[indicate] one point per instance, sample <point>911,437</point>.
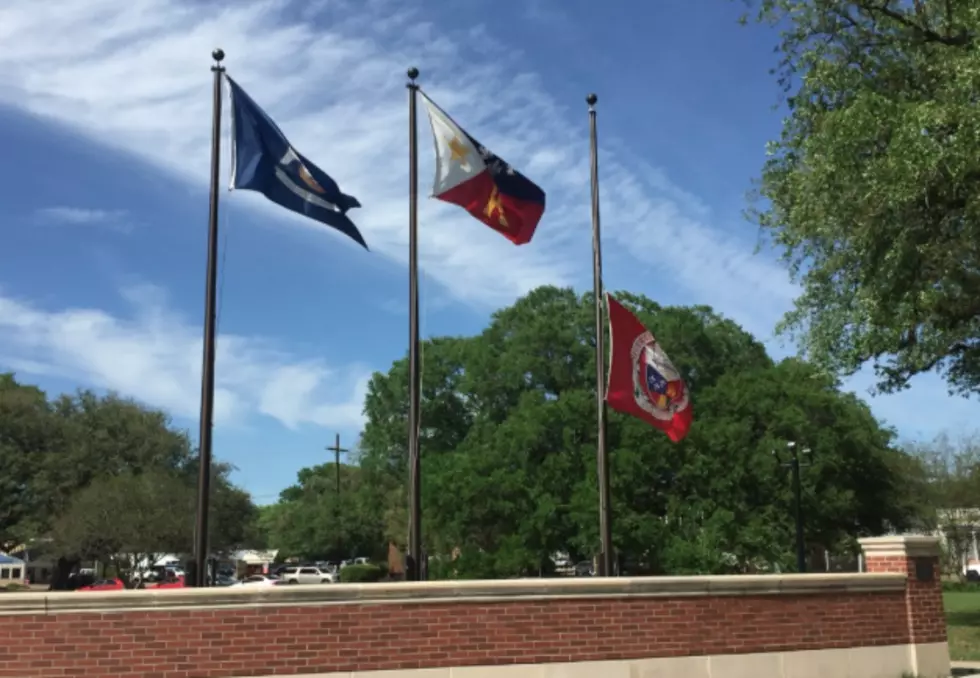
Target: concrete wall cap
<point>441,592</point>
<point>901,545</point>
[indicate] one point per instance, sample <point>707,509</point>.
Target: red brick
<point>291,640</point>
<point>923,600</point>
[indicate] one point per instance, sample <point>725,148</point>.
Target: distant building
<point>12,571</point>
<point>39,564</point>
<point>958,532</point>
<point>249,562</point>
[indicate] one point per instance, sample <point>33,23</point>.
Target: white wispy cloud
<point>135,76</point>
<point>154,355</point>
<point>115,219</point>
<point>79,215</point>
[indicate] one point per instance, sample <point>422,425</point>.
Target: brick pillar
<point>916,557</point>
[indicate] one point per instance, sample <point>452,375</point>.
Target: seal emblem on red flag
<point>657,385</point>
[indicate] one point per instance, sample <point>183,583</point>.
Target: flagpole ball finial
<point>413,73</point>
<point>218,55</point>
<point>591,99</point>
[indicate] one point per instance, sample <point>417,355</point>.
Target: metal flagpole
<point>207,371</point>
<point>413,565</point>
<point>605,568</point>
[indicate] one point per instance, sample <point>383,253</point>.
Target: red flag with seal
<point>643,382</point>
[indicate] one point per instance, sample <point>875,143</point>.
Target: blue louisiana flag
<point>263,160</point>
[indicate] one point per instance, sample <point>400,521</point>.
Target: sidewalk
<point>965,669</point>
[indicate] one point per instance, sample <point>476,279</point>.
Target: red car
<point>105,585</point>
<point>173,583</point>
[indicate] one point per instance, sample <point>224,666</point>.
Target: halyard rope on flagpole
<point>423,314</point>
<point>225,222</point>
<point>221,273</point>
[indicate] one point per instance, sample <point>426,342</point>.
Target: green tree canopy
<point>508,449</point>
<point>69,467</point>
<point>873,189</point>
<point>734,472</point>
<point>312,521</point>
<point>136,516</point>
<point>27,441</point>
<point>146,514</point>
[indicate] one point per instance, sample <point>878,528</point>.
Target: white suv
<point>306,575</point>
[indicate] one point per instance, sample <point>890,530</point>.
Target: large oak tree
<point>508,450</point>
<point>873,189</point>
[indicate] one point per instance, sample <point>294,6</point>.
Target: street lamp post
<point>795,464</point>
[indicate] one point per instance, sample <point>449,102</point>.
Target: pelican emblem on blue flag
<point>264,161</point>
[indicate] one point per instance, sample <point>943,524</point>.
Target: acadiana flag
<point>643,382</point>
<point>469,175</point>
<point>263,160</point>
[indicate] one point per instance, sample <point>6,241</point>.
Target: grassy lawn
<point>963,625</point>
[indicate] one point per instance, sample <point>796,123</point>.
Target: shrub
<point>354,574</point>
<point>961,586</point>
<point>14,588</point>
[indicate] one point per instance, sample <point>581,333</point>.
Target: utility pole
<point>337,449</point>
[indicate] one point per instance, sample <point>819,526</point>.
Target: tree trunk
<point>62,570</point>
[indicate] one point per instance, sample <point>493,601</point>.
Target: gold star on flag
<point>458,149</point>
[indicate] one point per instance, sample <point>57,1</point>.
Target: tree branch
<point>961,39</point>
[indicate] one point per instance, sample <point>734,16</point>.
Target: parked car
<point>584,568</point>
<point>104,585</point>
<point>159,573</point>
<point>170,583</point>
<point>77,581</point>
<point>259,580</point>
<point>224,580</point>
<point>308,575</point>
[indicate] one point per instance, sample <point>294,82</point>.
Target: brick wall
<point>887,564</point>
<point>307,630</point>
<point>296,639</point>
<point>923,599</point>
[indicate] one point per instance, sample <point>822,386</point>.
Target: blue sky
<point>105,123</point>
